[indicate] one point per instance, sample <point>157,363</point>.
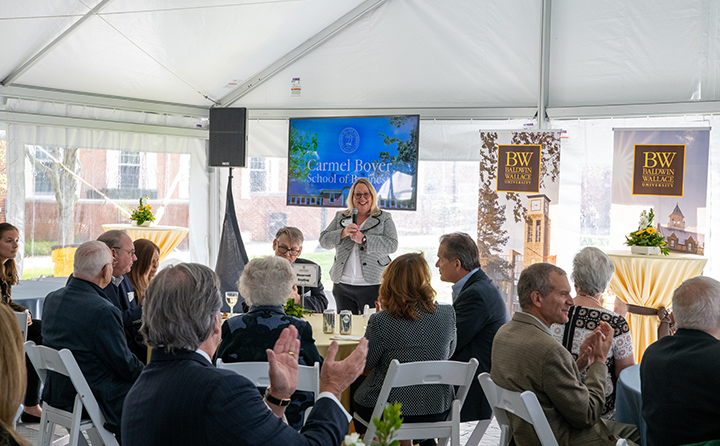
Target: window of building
<point>672,243</point>
<point>42,182</point>
<point>129,170</point>
<point>537,231</point>
<point>258,175</point>
<point>529,232</point>
<point>690,246</point>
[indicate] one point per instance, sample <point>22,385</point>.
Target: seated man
<point>525,356</point>
<point>181,399</point>
<point>679,374</point>
<point>80,318</point>
<point>288,245</point>
<point>117,291</point>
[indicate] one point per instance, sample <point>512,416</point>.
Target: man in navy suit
<point>181,399</point>
<point>119,289</point>
<point>479,311</point>
<point>679,374</point>
<point>80,318</point>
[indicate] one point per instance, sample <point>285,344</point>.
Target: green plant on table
<point>646,235</point>
<point>143,212</point>
<point>292,309</point>
<point>386,428</point>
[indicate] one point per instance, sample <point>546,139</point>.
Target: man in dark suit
<point>181,399</point>
<point>288,244</point>
<point>679,374</point>
<point>80,318</point>
<point>479,312</point>
<point>120,291</point>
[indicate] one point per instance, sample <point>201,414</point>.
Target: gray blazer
<point>381,240</point>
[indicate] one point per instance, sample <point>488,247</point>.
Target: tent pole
<point>544,63</point>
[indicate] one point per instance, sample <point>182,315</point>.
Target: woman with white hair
<point>266,283</point>
<point>592,271</point>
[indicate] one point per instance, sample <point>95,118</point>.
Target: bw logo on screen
<point>349,140</point>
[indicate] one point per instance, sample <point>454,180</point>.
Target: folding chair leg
<point>478,432</point>
<point>94,437</point>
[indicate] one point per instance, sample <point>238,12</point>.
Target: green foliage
<point>38,248</point>
<point>36,273</point>
<point>385,429</point>
<point>302,150</point>
<point>295,310</point>
<point>646,235</point>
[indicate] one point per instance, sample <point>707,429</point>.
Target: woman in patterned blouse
<point>592,271</point>
<point>411,327</point>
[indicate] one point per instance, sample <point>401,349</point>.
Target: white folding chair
<point>452,373</point>
<point>258,374</point>
<point>524,405</point>
<point>46,359</point>
<point>22,319</point>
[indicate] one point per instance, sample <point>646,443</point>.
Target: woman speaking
<point>362,236</point>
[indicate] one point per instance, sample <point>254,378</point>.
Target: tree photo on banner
<point>518,190</point>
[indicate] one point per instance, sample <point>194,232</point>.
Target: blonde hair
<point>144,250</point>
<point>12,371</point>
<point>374,209</point>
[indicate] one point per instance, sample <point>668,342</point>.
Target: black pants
<point>354,298</point>
<point>32,391</point>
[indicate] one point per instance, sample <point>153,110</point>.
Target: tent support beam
<point>252,82</point>
<point>440,113</point>
<point>543,90</point>
<point>17,72</point>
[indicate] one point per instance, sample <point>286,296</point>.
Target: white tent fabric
<point>141,74</point>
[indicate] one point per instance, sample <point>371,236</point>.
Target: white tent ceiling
<point>451,58</point>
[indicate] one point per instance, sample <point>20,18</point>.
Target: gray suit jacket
<point>381,241</point>
<point>526,357</point>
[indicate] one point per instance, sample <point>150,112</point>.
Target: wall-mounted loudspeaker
<point>228,137</point>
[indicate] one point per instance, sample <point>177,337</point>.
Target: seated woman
<point>266,284</point>
<point>145,267</point>
<point>12,376</point>
<point>592,271</point>
<point>410,327</point>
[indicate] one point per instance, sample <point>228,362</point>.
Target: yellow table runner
<point>166,237</point>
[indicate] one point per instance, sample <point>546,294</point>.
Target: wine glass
<point>231,297</point>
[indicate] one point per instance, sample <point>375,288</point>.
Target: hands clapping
<point>353,232</point>
<point>595,348</point>
<point>283,360</point>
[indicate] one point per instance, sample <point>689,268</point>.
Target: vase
<point>645,250</point>
<point>145,224</point>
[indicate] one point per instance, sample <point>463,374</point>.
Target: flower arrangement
<point>385,429</point>
<point>143,212</point>
<point>291,309</point>
<point>646,235</point>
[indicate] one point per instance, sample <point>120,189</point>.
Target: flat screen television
<point>326,155</point>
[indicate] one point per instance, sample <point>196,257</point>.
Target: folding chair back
<point>453,373</point>
<point>524,405</point>
<point>46,359</point>
<point>258,374</point>
<point>22,319</point>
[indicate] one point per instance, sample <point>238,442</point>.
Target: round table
<point>166,237</point>
<point>649,281</point>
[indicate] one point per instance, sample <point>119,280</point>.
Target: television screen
<point>326,155</point>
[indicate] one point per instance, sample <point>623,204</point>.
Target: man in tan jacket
<point>525,356</point>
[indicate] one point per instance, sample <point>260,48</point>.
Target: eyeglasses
<point>366,195</point>
<point>129,251</point>
<point>285,250</point>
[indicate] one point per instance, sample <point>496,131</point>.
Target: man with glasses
<point>119,289</point>
<point>288,245</point>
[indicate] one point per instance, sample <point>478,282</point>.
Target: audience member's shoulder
<point>445,310</point>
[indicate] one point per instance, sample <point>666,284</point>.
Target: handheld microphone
<point>354,216</point>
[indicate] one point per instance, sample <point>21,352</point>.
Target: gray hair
<point>294,234</point>
<point>266,281</point>
<point>90,258</point>
<point>592,270</point>
<point>696,304</point>
<point>180,307</point>
<point>113,238</point>
<point>536,277</point>
<point>460,246</point>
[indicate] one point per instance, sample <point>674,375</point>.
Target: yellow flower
<point>149,207</point>
<point>640,232</point>
<point>650,230</point>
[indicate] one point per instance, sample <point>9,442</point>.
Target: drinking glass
<point>231,297</point>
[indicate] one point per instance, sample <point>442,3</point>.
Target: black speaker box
<point>228,137</point>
